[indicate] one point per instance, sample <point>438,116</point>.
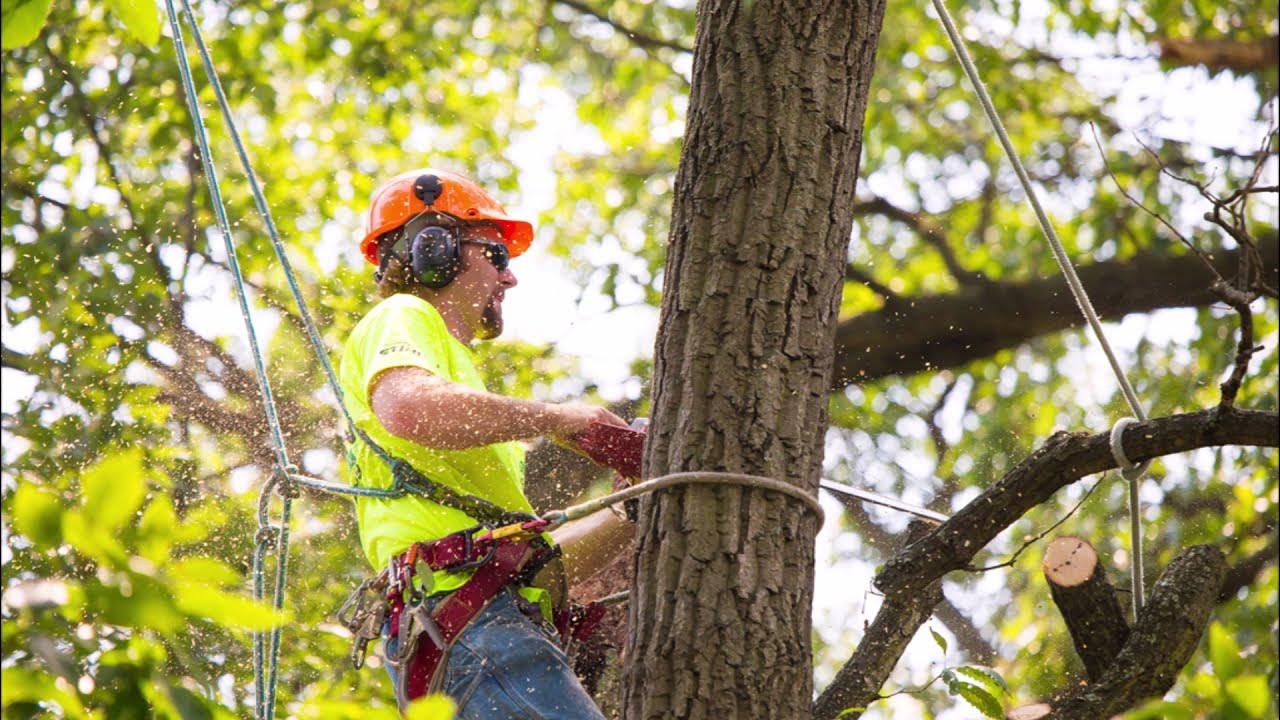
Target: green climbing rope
<point>268,534</point>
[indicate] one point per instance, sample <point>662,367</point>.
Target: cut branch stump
<point>1087,602</point>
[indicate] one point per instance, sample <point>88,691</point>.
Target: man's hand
<point>572,419</point>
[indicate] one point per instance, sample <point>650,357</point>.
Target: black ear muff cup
<point>435,256</point>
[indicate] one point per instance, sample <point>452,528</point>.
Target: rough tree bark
<point>719,623</point>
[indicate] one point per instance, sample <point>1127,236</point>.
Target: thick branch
<point>857,685</point>
<point>1243,574</point>
<point>969,640</point>
<point>1064,459</point>
<point>1167,632</point>
<point>1222,53</point>
<point>975,321</point>
<point>1088,603</point>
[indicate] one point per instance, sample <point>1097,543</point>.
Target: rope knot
<point>285,484</point>
<point>267,536</point>
<point>1128,470</point>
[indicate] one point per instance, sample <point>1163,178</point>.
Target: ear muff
<point>435,257</point>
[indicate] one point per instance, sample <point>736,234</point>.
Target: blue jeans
<point>506,665</point>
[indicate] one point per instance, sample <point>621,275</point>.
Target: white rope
<point>1073,281</point>
<point>581,510</point>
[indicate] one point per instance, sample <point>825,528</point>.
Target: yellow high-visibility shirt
<point>400,331</point>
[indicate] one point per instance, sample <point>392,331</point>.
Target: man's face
<point>479,287</point>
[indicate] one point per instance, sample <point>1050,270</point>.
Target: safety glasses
<point>495,252</point>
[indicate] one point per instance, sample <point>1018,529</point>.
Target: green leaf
<point>37,515</point>
<point>156,530</point>
<point>987,678</point>
<point>140,17</point>
<point>224,608</point>
<point>431,707</point>
<point>939,640</point>
<point>137,601</point>
<point>978,697</point>
<point>22,20</point>
<point>25,686</point>
<point>205,570</point>
<point>113,489</point>
<point>92,540</point>
<point>1224,652</point>
<point>1251,694</point>
<point>1161,710</point>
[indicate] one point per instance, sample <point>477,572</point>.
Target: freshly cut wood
<point>1034,711</point>
<point>1087,602</point>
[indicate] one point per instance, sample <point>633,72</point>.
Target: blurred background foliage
<point>133,435</point>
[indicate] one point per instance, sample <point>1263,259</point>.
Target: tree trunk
<point>719,623</point>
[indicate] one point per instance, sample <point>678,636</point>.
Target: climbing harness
<point>1130,473</point>
<point>503,556</point>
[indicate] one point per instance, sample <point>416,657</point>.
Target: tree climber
<point>441,245</point>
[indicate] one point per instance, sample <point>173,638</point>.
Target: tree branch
<point>942,331</point>
<point>1080,588</point>
<point>858,683</point>
<point>969,639</point>
<point>642,40</point>
<point>928,230</point>
<point>1243,573</point>
<point>854,274</point>
<point>1166,633</point>
<point>1064,459</point>
<point>1239,56</point>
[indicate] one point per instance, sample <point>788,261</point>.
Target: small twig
<point>928,231</point>
<point>1239,300</point>
<point>912,691</point>
<point>1013,558</point>
<point>940,444</point>
<point>875,286</point>
<point>1159,218</point>
<point>641,40</point>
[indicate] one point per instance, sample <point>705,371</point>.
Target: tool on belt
<point>508,555</point>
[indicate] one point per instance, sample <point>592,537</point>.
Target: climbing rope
<point>268,534</point>
<point>285,479</point>
<point>560,517</point>
<point>1131,473</point>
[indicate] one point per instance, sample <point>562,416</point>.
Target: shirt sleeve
<point>405,332</point>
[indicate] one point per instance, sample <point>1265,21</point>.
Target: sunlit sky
<point>545,308</point>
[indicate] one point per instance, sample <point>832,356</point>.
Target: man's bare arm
<point>431,411</point>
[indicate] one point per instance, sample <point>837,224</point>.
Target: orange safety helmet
<point>397,201</point>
